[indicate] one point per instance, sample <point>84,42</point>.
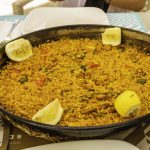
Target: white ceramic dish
<point>88,145</point>
<point>46,17</point>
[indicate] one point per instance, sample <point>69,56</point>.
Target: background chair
<point>21,7</point>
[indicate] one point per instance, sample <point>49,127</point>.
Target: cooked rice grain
<point>83,74</point>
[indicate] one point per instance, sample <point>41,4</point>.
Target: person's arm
<point>134,5</point>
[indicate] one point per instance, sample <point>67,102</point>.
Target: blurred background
<point>19,7</point>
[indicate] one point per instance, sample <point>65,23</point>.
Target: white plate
<point>87,145</point>
<point>46,17</point>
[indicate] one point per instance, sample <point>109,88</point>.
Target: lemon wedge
<point>50,114</point>
<point>128,103</point>
<point>112,36</point>
<point>18,50</point>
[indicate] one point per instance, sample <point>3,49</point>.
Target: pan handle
<point>6,135</point>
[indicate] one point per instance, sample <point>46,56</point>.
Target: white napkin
<point>5,27</point>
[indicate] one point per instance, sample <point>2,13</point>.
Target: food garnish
<point>128,103</point>
<point>19,50</point>
<point>50,114</point>
<point>112,36</point>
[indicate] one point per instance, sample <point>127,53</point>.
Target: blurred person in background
<point>133,5</point>
<point>126,5</point>
<point>106,5</point>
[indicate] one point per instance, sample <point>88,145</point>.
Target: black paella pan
<point>74,31</point>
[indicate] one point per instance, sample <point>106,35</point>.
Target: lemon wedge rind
<point>18,50</point>
<point>128,103</point>
<point>112,36</point>
<point>50,114</point>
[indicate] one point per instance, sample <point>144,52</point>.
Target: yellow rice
<point>83,74</point>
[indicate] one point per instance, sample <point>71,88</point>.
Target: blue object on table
<point>12,17</point>
<point>128,20</point>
